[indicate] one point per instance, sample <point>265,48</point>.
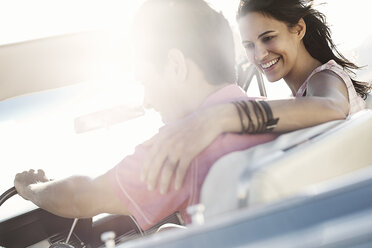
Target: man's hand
<point>173,149</point>
<point>23,180</point>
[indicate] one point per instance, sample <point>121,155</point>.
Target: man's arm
<point>73,197</point>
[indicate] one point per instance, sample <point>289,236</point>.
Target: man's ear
<point>300,28</point>
<point>176,66</point>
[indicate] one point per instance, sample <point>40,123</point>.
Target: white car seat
<point>284,167</point>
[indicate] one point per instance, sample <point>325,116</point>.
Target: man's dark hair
<point>191,26</point>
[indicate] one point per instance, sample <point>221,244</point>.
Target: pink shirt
<point>355,101</point>
<point>149,207</point>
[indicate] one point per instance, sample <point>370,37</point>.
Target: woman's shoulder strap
<point>330,65</point>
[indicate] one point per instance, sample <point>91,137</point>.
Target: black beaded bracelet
<point>236,104</point>
<point>250,127</point>
<point>263,113</point>
<point>271,121</point>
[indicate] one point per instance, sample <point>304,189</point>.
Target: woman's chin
<point>272,78</point>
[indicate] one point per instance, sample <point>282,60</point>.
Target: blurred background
<point>65,69</point>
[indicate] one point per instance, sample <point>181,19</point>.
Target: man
<point>185,59</point>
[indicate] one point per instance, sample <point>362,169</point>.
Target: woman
<point>285,39</point>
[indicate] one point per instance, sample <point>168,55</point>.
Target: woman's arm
<point>173,148</point>
<point>326,100</point>
<point>73,197</point>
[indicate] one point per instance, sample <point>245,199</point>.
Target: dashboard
<point>41,229</point>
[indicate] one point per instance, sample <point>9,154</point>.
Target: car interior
<point>308,188</point>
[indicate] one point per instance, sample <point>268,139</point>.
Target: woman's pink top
<point>355,101</point>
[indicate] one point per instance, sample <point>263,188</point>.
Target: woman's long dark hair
<point>317,39</point>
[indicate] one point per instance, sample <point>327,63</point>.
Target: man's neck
<point>196,90</point>
<point>198,93</point>
<point>191,92</point>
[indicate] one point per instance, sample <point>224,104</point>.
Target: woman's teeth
<point>269,64</point>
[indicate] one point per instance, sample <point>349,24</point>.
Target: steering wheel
<point>7,194</point>
<point>11,192</point>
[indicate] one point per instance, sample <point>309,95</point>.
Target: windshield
<point>41,130</point>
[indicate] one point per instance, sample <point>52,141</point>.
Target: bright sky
<point>30,19</point>
<point>24,19</point>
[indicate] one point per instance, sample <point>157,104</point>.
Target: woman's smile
<point>269,65</point>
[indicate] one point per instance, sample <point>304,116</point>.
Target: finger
<point>147,163</point>
<point>19,174</point>
<point>153,153</point>
<point>154,158</point>
<point>161,159</point>
<point>166,176</point>
<point>16,178</point>
<point>153,165</point>
<point>153,171</point>
<point>181,172</point>
<point>42,175</point>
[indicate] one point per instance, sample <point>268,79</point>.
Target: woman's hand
<point>176,145</point>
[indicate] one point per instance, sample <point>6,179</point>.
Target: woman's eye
<point>267,38</point>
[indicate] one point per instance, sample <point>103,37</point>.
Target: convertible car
<point>60,106</point>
